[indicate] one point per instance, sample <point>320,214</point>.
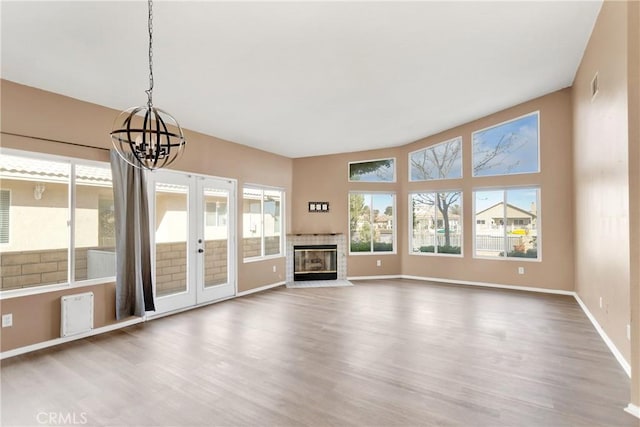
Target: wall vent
<point>595,86</point>
<point>77,314</point>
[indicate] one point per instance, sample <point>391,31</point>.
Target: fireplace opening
<point>315,262</point>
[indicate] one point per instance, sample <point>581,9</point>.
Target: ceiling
<point>302,78</point>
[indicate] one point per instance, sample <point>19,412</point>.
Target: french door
<point>193,221</point>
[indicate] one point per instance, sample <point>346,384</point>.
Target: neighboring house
<point>492,218</point>
<point>424,218</point>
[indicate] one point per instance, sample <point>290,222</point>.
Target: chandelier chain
<point>150,26</point>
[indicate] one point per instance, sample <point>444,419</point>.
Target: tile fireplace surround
<point>337,239</point>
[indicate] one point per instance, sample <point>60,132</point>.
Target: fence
<point>482,242</point>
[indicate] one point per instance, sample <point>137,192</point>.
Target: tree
<point>445,204</point>
<point>357,211</point>
<point>437,163</point>
<point>388,211</point>
<point>498,154</point>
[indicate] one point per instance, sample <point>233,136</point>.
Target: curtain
<point>134,287</point>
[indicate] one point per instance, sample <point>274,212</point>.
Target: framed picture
<point>318,206</point>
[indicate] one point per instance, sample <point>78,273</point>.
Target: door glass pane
<point>172,225</point>
<point>216,235</point>
<point>34,232</point>
<point>95,223</point>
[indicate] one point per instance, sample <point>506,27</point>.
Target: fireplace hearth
<point>315,262</point>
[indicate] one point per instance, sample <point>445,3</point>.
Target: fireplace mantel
<point>338,239</point>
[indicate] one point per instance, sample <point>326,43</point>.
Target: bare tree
<point>498,154</point>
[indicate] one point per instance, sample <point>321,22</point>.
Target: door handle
<point>200,250</point>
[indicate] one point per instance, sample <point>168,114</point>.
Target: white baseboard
<point>391,276</point>
<point>625,365</point>
<point>51,343</point>
<point>490,285</point>
<point>633,410</point>
<point>119,325</point>
<point>260,289</point>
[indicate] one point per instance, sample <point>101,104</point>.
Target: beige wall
<point>42,114</point>
<point>324,178</point>
<point>601,176</point>
<point>633,93</point>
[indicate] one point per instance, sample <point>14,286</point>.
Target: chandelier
<point>147,137</point>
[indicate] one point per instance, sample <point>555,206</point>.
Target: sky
<point>520,157</point>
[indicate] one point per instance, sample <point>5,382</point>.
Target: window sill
<point>36,290</point>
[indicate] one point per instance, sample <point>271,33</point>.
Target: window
<point>507,223</point>
<point>95,238</point>
<point>442,161</point>
<point>5,201</point>
<point>508,148</point>
<point>382,170</point>
<point>436,223</point>
<point>43,195</point>
<point>371,222</point>
<point>262,222</point>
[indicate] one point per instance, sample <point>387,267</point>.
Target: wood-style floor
<point>380,353</point>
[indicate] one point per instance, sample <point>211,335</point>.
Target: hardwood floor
<point>380,353</point>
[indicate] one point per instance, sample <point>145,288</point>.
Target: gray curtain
<point>134,287</point>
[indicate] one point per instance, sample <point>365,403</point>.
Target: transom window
<point>508,148</point>
<point>441,161</point>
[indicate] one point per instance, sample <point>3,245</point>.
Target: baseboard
<point>260,289</point>
<point>119,325</point>
<point>625,365</point>
<point>490,285</point>
<point>57,341</point>
<point>391,276</point>
<point>633,410</point>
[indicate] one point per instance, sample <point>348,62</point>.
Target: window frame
<point>262,256</point>
<point>410,223</point>
<point>504,190</point>
<point>431,147</point>
<point>538,170</point>
<point>393,162</point>
<point>71,283</point>
<point>394,223</point>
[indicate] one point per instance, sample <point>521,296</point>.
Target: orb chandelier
<point>147,137</point>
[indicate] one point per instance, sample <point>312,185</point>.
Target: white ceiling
<point>302,78</point>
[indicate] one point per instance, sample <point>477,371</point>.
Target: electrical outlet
<point>379,263</point>
<point>274,268</point>
<point>520,270</point>
<point>7,320</point>
<point>600,302</point>
<point>629,332</point>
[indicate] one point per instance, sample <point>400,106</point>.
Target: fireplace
<point>315,262</point>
